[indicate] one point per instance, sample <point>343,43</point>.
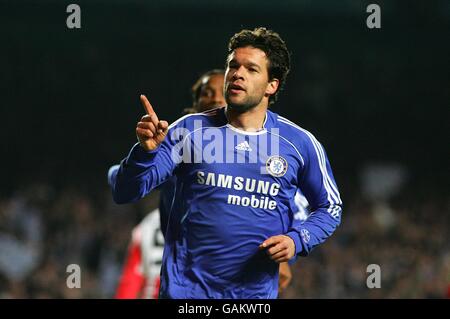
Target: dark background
<point>69,98</point>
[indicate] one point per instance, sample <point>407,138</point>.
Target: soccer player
<point>140,275</point>
<point>238,169</point>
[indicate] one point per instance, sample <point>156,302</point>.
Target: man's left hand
<point>280,248</point>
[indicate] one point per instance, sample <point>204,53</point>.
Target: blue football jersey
<point>233,190</point>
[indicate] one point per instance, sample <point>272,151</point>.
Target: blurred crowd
<point>43,230</point>
<point>407,238</point>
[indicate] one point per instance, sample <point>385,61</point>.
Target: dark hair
<point>197,87</point>
<point>273,46</point>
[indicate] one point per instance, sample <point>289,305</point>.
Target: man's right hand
<point>150,131</point>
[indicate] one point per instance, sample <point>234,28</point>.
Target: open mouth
<point>235,88</point>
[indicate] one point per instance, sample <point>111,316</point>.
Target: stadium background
<point>377,99</point>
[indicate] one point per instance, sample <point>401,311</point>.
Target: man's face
<point>247,82</point>
<point>211,93</point>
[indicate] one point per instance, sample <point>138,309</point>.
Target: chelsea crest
<point>276,165</point>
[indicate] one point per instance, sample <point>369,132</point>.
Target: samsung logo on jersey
<point>238,183</point>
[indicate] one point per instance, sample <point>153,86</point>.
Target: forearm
<point>320,225</point>
<point>138,174</point>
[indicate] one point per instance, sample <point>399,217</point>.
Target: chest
<point>258,163</point>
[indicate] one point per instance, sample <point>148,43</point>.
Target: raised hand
<point>150,131</point>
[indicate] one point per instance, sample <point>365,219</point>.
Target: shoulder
<point>190,122</point>
<point>303,139</point>
<point>291,129</point>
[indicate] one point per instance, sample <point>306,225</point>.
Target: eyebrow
<point>247,64</point>
<point>253,65</point>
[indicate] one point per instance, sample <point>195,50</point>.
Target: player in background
<point>140,278</point>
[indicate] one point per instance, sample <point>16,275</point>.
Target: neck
<point>251,120</point>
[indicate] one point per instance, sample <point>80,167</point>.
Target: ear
<point>272,86</point>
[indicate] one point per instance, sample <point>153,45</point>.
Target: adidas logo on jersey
<point>244,146</point>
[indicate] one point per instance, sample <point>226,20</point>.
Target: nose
<point>218,98</point>
<point>238,74</point>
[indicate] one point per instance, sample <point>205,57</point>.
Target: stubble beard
<point>248,104</point>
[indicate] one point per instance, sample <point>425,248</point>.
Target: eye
<point>206,93</point>
<point>253,70</point>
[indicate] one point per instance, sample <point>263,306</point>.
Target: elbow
<point>118,198</point>
<point>118,195</point>
<point>128,190</point>
<point>125,196</point>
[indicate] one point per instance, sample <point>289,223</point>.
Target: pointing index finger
<point>148,107</point>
